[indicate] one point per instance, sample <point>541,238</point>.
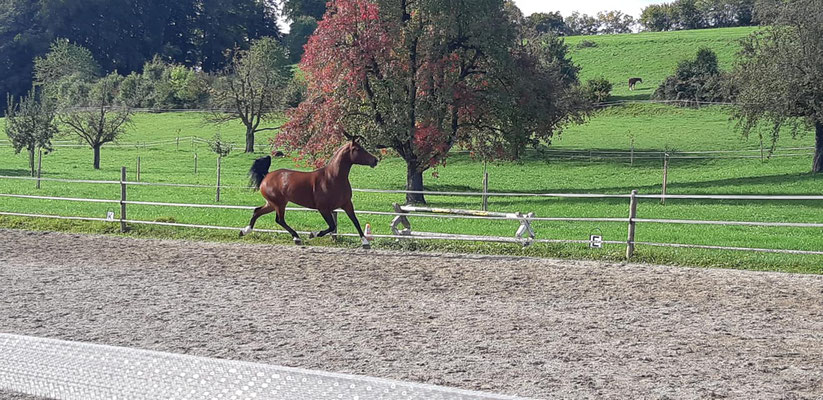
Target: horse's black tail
<point>259,170</point>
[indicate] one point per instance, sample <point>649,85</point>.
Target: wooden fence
<point>631,219</point>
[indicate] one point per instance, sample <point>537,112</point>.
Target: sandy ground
<point>537,328</point>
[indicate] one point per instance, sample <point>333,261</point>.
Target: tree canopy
<point>698,14</point>
<point>780,74</point>
<point>421,77</point>
<point>30,124</point>
<point>252,88</point>
<point>123,34</point>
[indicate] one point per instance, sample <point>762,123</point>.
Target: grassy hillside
<point>654,128</point>
<point>647,127</point>
<point>651,55</point>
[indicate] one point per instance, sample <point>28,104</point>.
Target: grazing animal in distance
<point>633,82</point>
<point>325,189</point>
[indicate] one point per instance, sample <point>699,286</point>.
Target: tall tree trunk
<point>817,164</point>
<point>31,161</point>
<point>414,182</point>
<point>96,156</point>
<point>249,140</point>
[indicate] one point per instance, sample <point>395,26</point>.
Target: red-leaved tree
<point>420,77</point>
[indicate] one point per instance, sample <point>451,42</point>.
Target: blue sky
<point>591,7</point>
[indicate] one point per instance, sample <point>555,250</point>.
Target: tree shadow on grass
<point>15,172</point>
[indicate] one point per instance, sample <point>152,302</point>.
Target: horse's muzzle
<point>373,163</point>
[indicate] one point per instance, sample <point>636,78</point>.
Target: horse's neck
<point>337,168</point>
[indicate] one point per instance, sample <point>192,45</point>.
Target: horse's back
<point>286,185</point>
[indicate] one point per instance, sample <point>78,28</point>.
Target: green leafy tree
<point>164,86</point>
<point>301,29</point>
<point>780,74</point>
<point>30,124</point>
<point>20,41</point>
<point>612,22</point>
<point>65,60</point>
<point>658,17</point>
<point>688,15</point>
<point>295,9</point>
<point>582,24</point>
<point>548,23</point>
<point>91,111</point>
<point>123,34</point>
<point>253,87</point>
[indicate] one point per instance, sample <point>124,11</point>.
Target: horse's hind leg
<point>329,217</point>
<point>281,219</point>
<point>258,212</point>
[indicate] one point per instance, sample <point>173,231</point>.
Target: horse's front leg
<point>349,209</point>
<point>329,217</point>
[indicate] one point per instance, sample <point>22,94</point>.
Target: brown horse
<point>324,190</point>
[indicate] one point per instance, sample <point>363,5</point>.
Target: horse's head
<point>358,155</point>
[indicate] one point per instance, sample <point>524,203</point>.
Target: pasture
<point>650,55</point>
<point>650,127</point>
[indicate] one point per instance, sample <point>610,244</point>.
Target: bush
<point>165,86</point>
<point>698,80</point>
<point>597,90</point>
<point>586,44</point>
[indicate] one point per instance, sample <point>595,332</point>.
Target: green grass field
<point>650,55</point>
<point>653,128</point>
<point>646,127</point>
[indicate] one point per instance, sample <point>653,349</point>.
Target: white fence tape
<point>83,371</point>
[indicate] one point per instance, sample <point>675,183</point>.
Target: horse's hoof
<point>242,234</point>
<point>312,235</point>
<point>298,242</point>
<point>366,247</point>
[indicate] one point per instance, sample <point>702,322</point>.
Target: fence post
<point>632,216</point>
<point>218,178</point>
<point>39,166</point>
<point>138,169</point>
<point>632,152</point>
<point>665,177</point>
<point>123,227</point>
<point>485,191</point>
<point>195,163</point>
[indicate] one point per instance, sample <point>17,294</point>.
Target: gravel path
<point>538,328</point>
